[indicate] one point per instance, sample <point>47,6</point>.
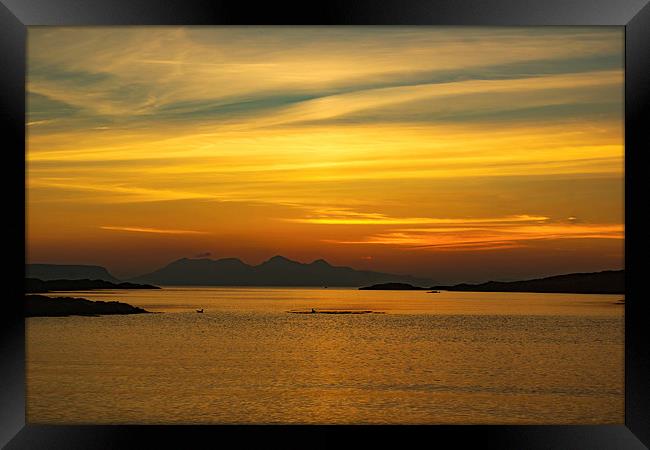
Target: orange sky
<point>459,154</point>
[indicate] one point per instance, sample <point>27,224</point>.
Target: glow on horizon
<point>427,150</point>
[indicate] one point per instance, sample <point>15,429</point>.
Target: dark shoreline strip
<point>36,286</point>
<point>42,306</point>
<point>336,312</point>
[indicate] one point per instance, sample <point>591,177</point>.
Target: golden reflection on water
<point>431,358</point>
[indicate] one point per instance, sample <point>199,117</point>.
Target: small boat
<point>199,310</point>
<point>433,292</point>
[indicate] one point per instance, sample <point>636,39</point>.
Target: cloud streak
<point>151,230</point>
<point>506,235</point>
<point>349,217</point>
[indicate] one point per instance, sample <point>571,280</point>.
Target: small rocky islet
<point>334,311</point>
<point>44,306</point>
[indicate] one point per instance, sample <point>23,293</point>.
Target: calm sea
<point>451,357</point>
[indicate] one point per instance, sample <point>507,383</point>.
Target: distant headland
<point>48,272</point>
<point>606,282</point>
<point>34,285</point>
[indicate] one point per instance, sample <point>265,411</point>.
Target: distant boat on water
<point>199,310</point>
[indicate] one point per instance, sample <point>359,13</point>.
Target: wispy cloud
<point>151,230</point>
<point>144,75</point>
<point>350,217</point>
<point>505,235</point>
<point>112,193</point>
<point>39,122</point>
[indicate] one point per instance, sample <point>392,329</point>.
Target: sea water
<point>430,358</point>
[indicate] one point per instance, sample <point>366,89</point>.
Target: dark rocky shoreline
<point>43,306</point>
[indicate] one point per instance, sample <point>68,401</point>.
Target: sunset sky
<point>458,154</point>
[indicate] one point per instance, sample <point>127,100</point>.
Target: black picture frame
<point>16,15</point>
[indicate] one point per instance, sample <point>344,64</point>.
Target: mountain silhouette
<point>47,272</point>
<point>277,271</point>
<point>605,282</point>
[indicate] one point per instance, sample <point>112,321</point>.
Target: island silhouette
<point>276,271</point>
<point>281,271</point>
